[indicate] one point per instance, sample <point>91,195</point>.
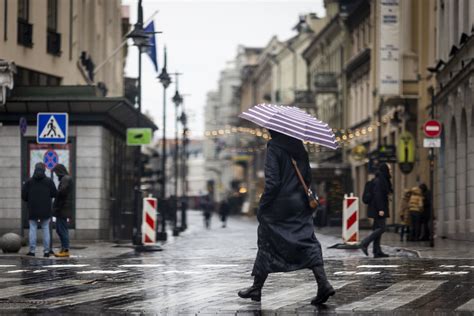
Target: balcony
<point>53,43</point>
<point>25,33</point>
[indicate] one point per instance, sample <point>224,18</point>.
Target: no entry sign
<point>432,128</point>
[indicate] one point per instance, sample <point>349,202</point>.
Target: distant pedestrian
<point>62,207</point>
<point>415,206</point>
<point>426,214</point>
<point>405,216</point>
<point>207,206</point>
<point>224,210</point>
<point>378,209</point>
<point>38,192</point>
<point>286,239</point>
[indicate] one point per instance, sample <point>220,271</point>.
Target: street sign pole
<point>431,159</point>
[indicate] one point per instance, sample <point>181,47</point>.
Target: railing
<point>25,33</point>
<point>54,43</point>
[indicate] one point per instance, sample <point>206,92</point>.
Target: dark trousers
<point>63,232</point>
<point>415,225</point>
<point>378,229</point>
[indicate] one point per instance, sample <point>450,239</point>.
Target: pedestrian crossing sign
<point>52,128</point>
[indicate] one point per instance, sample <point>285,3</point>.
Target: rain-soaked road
<point>201,271</point>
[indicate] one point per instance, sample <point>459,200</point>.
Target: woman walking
<point>378,210</point>
<point>286,239</point>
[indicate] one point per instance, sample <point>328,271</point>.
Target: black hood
<point>290,144</point>
<point>60,170</point>
<point>384,173</point>
<point>39,172</point>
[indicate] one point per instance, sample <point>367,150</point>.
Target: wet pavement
<point>201,271</point>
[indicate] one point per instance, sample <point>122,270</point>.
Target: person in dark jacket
<point>207,206</point>
<point>426,214</point>
<point>62,207</point>
<point>286,239</point>
<point>37,192</point>
<point>378,209</point>
<point>224,210</point>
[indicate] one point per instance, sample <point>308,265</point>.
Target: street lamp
<point>141,40</point>
<point>177,100</point>
<point>165,81</point>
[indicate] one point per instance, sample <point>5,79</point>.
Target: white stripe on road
<point>101,272</point>
<point>356,273</point>
<point>7,265</point>
<point>40,271</point>
<point>469,267</point>
<point>217,265</point>
<point>368,266</point>
<point>66,266</point>
<point>447,266</point>
<point>17,271</point>
<point>467,307</point>
<point>143,265</point>
<point>393,297</point>
<point>446,273</point>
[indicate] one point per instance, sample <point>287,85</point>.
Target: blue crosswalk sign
<point>52,128</point>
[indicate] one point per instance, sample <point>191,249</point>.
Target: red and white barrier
<point>350,219</point>
<point>149,221</point>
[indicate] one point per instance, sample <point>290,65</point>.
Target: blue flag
<point>151,50</point>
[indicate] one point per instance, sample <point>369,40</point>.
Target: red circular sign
<point>432,128</point>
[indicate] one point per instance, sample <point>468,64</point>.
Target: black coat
<point>286,239</point>
<point>37,192</point>
<point>379,202</point>
<point>63,204</point>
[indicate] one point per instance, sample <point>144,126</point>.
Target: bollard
<point>149,221</point>
<point>350,221</point>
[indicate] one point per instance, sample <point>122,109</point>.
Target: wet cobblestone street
<point>201,271</point>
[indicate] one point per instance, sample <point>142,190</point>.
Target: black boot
<point>255,291</point>
<point>325,290</point>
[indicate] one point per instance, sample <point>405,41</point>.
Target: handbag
<point>312,199</point>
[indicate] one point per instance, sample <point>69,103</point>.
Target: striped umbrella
<point>291,121</point>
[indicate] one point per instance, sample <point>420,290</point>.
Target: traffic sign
<point>23,126</point>
<point>139,136</point>
<point>432,142</point>
<point>432,128</point>
<point>50,159</point>
<point>52,128</point>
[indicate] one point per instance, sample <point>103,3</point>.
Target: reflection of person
<point>286,239</point>
<point>378,210</point>
<point>38,192</point>
<point>62,208</point>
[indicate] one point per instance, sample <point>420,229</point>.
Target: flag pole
<point>124,42</point>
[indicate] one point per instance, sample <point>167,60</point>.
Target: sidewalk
<point>443,249</point>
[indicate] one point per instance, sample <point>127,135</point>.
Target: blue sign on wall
<point>52,128</point>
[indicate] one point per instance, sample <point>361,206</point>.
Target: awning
<point>83,104</point>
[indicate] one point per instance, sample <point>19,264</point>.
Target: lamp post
<point>177,100</point>
<point>165,81</point>
<point>184,203</point>
<point>141,40</point>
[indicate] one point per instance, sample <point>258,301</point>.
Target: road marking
<point>393,297</point>
<point>182,272</point>
<point>469,267</point>
<point>447,266</point>
<point>66,266</point>
<point>17,271</point>
<point>446,273</point>
<point>40,271</point>
<point>7,265</point>
<point>467,307</point>
<point>356,273</point>
<point>217,265</point>
<point>101,272</point>
<point>378,266</point>
<point>143,265</point>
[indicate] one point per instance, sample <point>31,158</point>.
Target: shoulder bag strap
<point>300,176</point>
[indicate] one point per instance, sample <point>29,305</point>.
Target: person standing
<point>224,210</point>
<point>62,208</point>
<point>426,214</point>
<point>415,206</point>
<point>207,205</point>
<point>378,209</point>
<point>37,192</point>
<point>286,239</point>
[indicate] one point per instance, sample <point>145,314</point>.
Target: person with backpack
<point>378,191</point>
<point>415,207</point>
<point>37,192</point>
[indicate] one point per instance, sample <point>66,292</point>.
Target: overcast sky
<point>201,36</point>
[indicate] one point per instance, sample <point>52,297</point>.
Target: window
<point>52,15</point>
<point>23,10</point>
<point>27,77</point>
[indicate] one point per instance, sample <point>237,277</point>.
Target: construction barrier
<point>350,220</point>
<point>149,221</point>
